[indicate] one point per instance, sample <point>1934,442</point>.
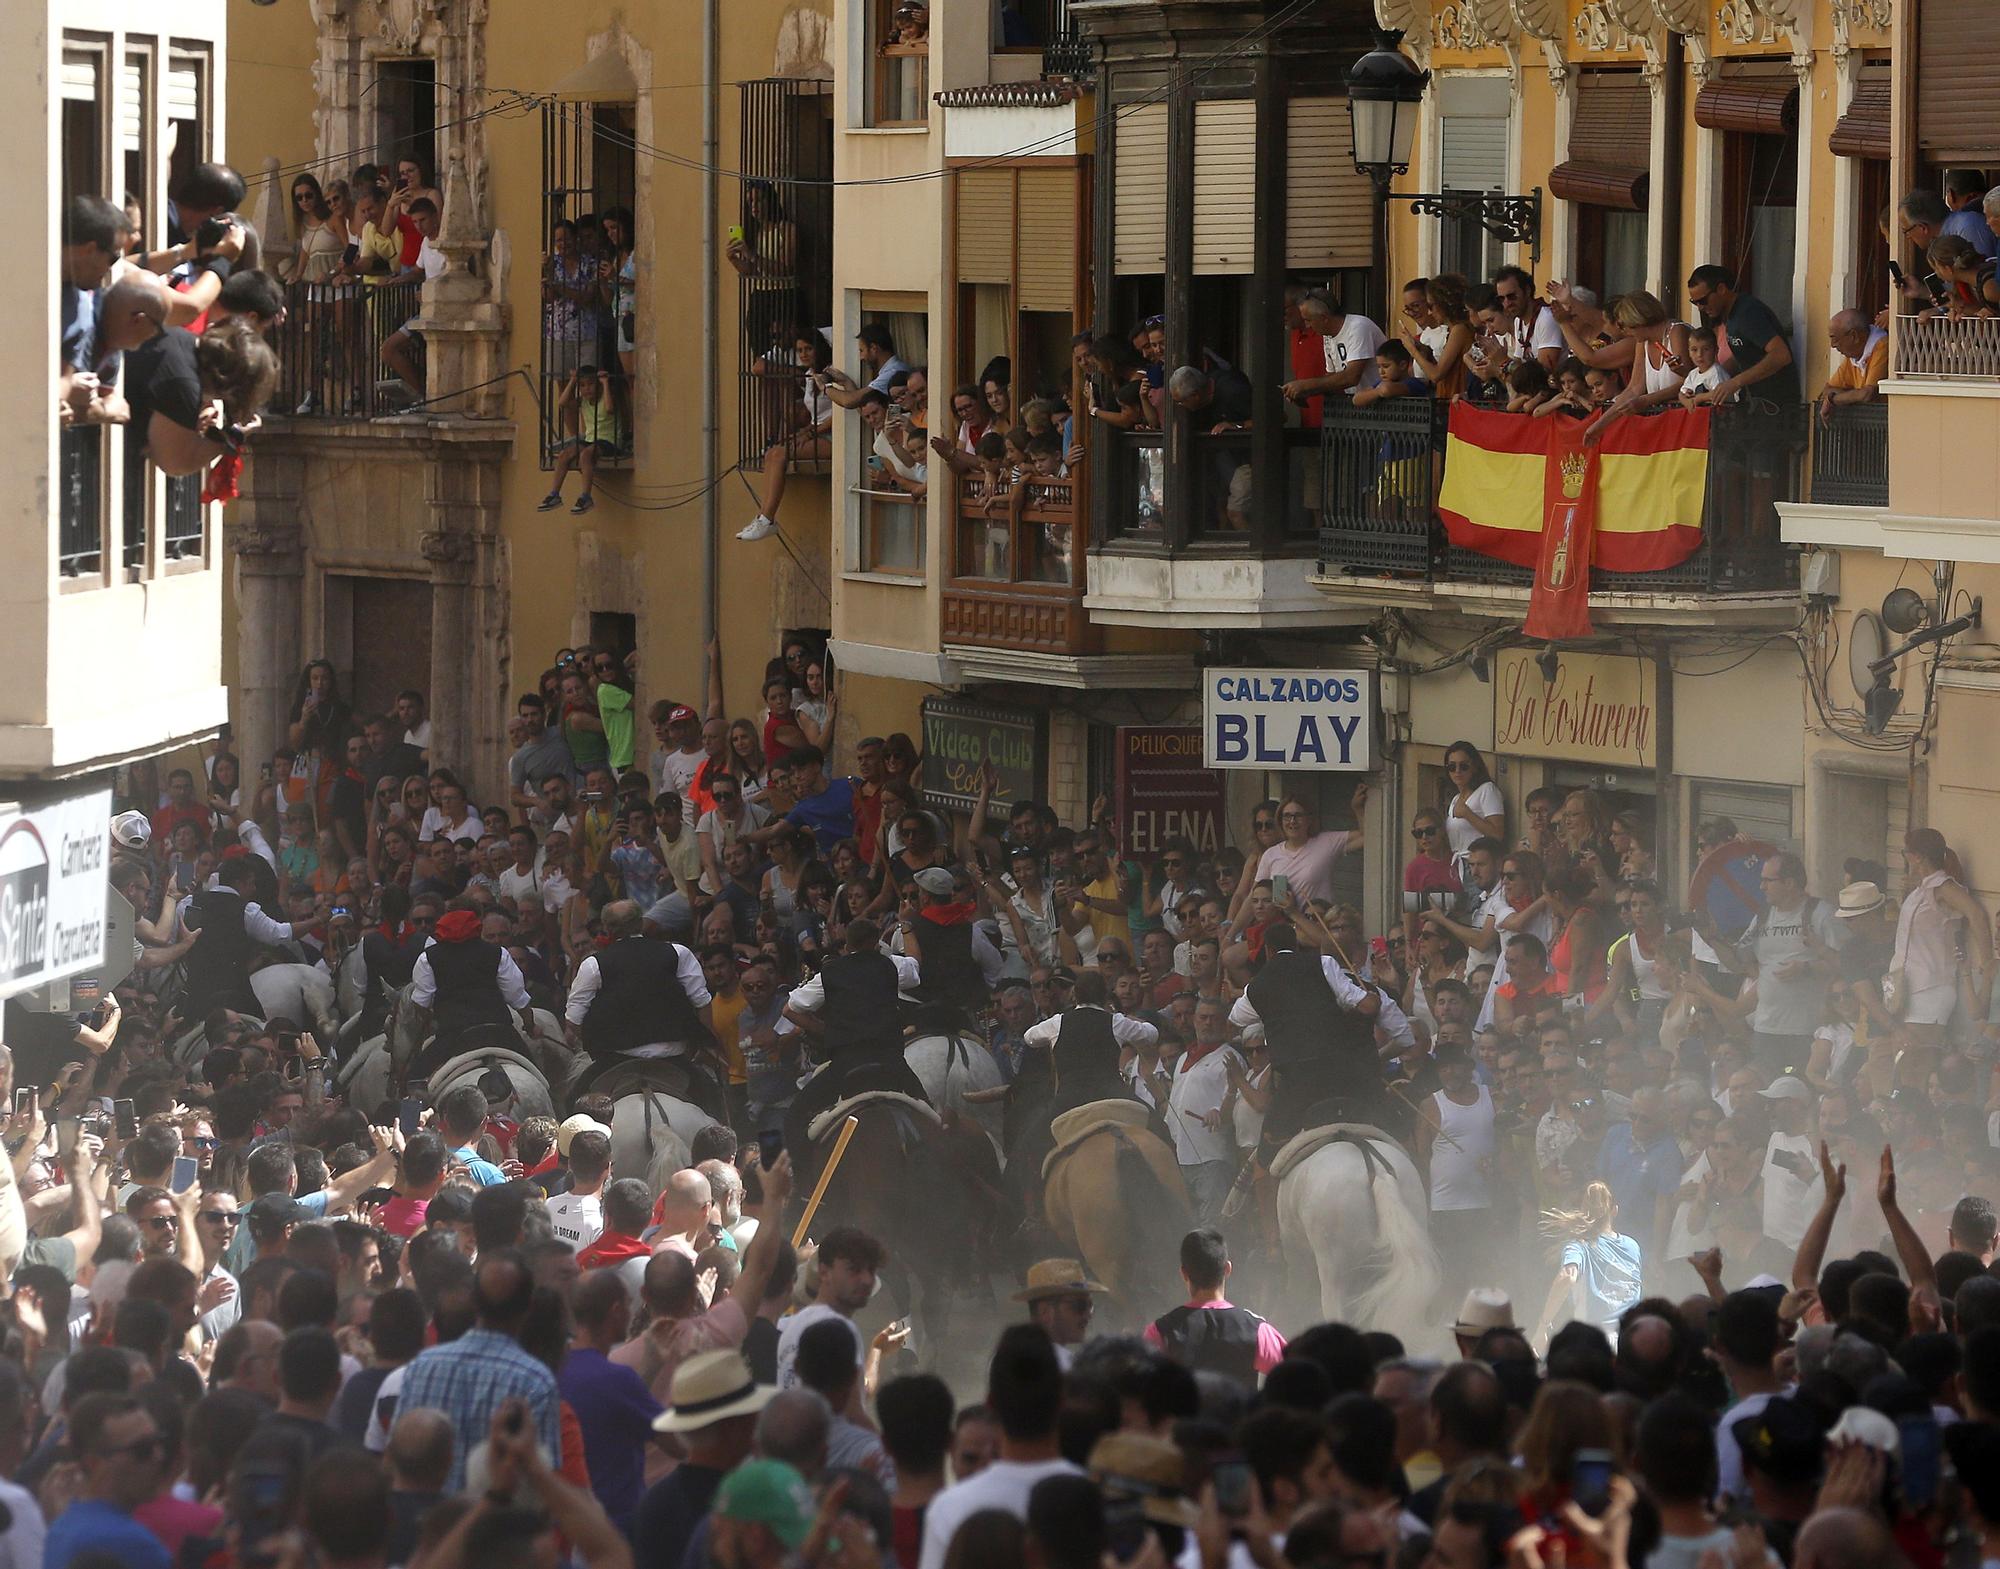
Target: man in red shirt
<point>181,807</point>
<point>1531,991</point>
<point>868,796</point>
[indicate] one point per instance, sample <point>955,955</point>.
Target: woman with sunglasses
<point>1472,805</point>
<point>1300,853</point>
<point>1428,879</point>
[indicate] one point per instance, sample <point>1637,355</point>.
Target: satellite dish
<point>1904,610</point>
<point>1867,642</point>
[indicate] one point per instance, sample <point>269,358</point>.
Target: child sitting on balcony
<point>1527,385</point>
<point>1399,379</point>
<point>1571,394</point>
<point>1707,374</point>
<point>1604,383</point>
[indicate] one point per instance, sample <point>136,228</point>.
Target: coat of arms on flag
<point>1531,492</point>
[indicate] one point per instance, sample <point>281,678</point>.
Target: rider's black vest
<point>468,986</point>
<point>218,965</point>
<point>947,971</point>
<point>640,1000</point>
<point>1213,1340</point>
<point>1086,1059</point>
<point>1306,1028</point>
<point>862,991</point>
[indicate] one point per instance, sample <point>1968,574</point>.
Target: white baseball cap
<point>132,830</point>
<point>1787,1089</point>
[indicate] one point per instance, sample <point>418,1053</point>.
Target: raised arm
<point>1909,1246</point>
<point>1812,1246</point>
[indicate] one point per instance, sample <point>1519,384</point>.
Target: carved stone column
<point>463,323</point>
<point>264,543</point>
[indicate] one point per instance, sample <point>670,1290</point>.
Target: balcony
<point>1850,456</point>
<point>1204,544</point>
<point>330,349</point>
<point>1017,577</point>
<point>1381,542</point>
<point>1949,348</point>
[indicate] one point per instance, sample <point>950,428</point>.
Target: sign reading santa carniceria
<point>54,855</point>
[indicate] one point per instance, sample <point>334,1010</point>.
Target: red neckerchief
<point>612,1248</point>
<point>549,1162</point>
<point>219,483</point>
<point>1196,1051</point>
<point>951,914</point>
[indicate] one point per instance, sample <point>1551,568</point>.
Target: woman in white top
<point>817,713</point>
<point>1927,943</point>
<point>1660,360</point>
<point>811,440</point>
<point>1030,920</point>
<point>1470,800</point>
<point>746,760</point>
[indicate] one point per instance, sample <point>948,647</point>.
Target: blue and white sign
<point>1288,719</point>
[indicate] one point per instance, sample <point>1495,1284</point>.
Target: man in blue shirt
<point>1641,1163</point>
<point>826,806</point>
<point>613,1406</point>
<point>473,1376</point>
<point>121,1454</point>
<point>461,1116</point>
<point>1964,194</point>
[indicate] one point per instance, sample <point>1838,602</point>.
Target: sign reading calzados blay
<point>53,859</point>
<point>1288,719</point>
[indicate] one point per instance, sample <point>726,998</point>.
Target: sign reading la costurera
<point>1299,719</point>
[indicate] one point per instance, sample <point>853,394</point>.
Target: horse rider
<point>958,961</point>
<point>1089,1039</point>
<point>643,999</point>
<point>1319,1028</point>
<point>463,983</point>
<point>389,953</point>
<point>231,926</point>
<point>851,1006</point>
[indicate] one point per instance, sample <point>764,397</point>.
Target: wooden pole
<point>826,1175</point>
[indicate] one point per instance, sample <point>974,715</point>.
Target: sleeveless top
<point>1463,1146</point>
<point>1645,972</point>
<point>1661,377</point>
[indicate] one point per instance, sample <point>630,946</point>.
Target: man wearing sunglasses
<point>215,1223</point>
<point>120,1453</point>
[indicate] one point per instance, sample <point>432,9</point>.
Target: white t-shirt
<point>431,259</point>
<point>1197,1092</point>
<point>577,1218</point>
<point>1358,339</point>
<point>1546,333</point>
<point>1789,1200</point>
<point>1003,1485</point>
<point>793,1325</point>
<point>521,887</point>
<point>675,772</point>
<point>1487,802</point>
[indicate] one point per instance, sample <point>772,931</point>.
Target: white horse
<point>302,993</point>
<point>365,1080</point>
<point>949,1067</point>
<point>652,1134</point>
<point>1364,1219</point>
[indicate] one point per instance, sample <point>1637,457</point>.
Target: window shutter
<point>986,226</point>
<point>1863,132</point>
<point>1329,204</point>
<point>1048,240</point>
<point>79,76</point>
<point>1958,107</point>
<point>1610,143</point>
<point>183,92</point>
<point>132,104</point>
<point>1472,133</point>
<point>1139,199</point>
<point>1225,185</point>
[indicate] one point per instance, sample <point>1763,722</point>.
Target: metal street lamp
<point>1385,90</point>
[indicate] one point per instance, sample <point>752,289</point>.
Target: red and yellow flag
<point>1529,491</point>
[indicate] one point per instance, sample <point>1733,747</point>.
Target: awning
<point>1863,131</point>
<point>1600,184</point>
<point>1610,142</point>
<point>1755,105</point>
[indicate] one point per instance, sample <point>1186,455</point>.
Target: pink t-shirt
<point>1309,868</point>
<point>173,1520</point>
<point>1270,1342</point>
<point>402,1217</point>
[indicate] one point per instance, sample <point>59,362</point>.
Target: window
<point>1757,114</point>
<point>588,174</point>
<point>1610,250</point>
<point>1604,175</point>
<point>406,112</point>
<point>785,282</point>
<point>890,521</point>
<point>82,120</point>
<point>899,49</point>
<point>1861,136</point>
<point>1472,160</point>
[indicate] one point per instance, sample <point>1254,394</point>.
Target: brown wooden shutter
<point>1863,131</point>
<point>1225,185</point>
<point>1958,81</point>
<point>986,226</point>
<point>1047,225</point>
<point>1139,198</point>
<point>1754,105</point>
<point>1329,204</point>
<point>1610,143</point>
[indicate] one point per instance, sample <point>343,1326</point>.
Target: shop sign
<point>1288,719</point>
<point>54,857</point>
<point>1164,792</point>
<point>961,738</point>
<point>1600,708</point>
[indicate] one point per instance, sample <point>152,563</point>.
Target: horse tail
<point>1400,1292</point>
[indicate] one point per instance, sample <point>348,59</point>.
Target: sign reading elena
<point>1310,719</point>
<point>1599,709</point>
<point>1163,792</point>
<point>53,860</point>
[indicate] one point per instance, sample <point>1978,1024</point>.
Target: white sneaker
<point>759,527</point>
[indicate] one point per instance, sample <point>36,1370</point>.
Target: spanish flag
<point>1529,491</point>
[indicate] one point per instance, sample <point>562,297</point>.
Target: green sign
<point>961,738</point>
